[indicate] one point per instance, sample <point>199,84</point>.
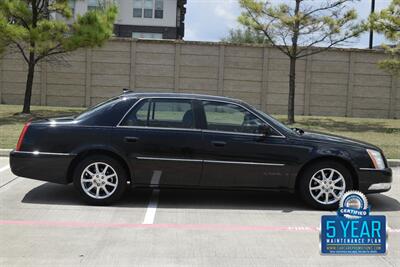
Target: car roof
<point>132,94</point>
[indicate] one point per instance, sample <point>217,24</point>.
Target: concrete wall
<point>339,82</point>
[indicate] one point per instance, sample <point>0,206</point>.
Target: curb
<point>391,162</point>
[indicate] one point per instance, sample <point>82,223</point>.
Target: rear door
<point>160,138</point>
<point>236,154</point>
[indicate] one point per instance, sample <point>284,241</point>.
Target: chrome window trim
<point>212,161</point>
<point>44,153</point>
<point>205,130</point>
<point>161,128</point>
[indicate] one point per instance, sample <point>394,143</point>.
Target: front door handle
<point>218,143</point>
<point>131,139</point>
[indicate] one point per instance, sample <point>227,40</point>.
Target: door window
<point>230,118</point>
<point>165,113</point>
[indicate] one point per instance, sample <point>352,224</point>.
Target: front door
<point>162,143</point>
<point>236,154</point>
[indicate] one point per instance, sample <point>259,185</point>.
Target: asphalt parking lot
<point>43,224</point>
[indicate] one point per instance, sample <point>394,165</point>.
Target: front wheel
<point>100,180</point>
<point>323,184</point>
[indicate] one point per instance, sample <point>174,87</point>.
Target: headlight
<point>377,159</point>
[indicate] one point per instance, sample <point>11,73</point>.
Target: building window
<point>93,5</point>
<point>146,35</point>
<point>148,9</point>
<point>159,9</point>
<point>137,8</point>
<point>71,4</point>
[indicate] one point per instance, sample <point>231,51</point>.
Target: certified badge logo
<point>353,230</point>
<point>353,205</point>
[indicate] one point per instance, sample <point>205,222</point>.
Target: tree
<point>29,27</point>
<point>387,21</point>
<point>245,36</point>
<point>299,29</point>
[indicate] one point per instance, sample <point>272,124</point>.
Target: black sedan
<point>197,141</point>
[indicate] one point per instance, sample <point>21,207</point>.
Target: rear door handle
<point>131,139</point>
<point>218,143</point>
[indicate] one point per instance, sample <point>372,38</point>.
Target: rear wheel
<point>100,180</point>
<point>323,184</point>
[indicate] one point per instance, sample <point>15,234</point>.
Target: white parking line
<point>4,168</point>
<point>152,207</point>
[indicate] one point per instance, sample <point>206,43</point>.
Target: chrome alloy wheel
<point>99,180</point>
<point>327,186</point>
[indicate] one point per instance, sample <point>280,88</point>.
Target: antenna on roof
<point>126,90</point>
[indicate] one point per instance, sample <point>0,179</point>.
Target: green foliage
<point>300,28</point>
<point>387,21</point>
<point>245,36</point>
<point>30,26</point>
<point>296,27</point>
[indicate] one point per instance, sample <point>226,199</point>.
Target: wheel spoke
<point>338,188</point>
<point>335,196</point>
<point>316,180</point>
<point>323,175</point>
<point>319,194</point>
<point>316,187</point>
<point>105,190</point>
<point>326,197</point>
<point>337,180</point>
<point>96,165</point>
<point>331,174</point>
<point>90,187</point>
<point>105,169</point>
<point>111,184</point>
<point>97,191</point>
<point>89,172</point>
<point>110,176</point>
<point>87,180</point>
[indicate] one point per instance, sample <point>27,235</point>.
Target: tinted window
<point>230,118</point>
<point>162,113</point>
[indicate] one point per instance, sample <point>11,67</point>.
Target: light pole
<point>371,32</point>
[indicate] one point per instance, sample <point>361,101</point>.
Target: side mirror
<point>265,130</point>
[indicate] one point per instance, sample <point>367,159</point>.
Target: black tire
<point>120,180</point>
<point>304,184</point>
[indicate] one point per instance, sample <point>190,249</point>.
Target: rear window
<point>101,106</point>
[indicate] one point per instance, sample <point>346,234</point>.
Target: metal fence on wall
<point>340,82</point>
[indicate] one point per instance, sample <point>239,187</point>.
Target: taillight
<point>21,137</point>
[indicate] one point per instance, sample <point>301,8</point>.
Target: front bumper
<point>44,166</point>
<point>375,181</point>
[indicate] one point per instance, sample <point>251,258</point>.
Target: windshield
<point>94,109</point>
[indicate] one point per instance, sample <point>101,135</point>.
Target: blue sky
<point>210,20</point>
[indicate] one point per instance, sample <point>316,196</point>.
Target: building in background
<point>150,19</point>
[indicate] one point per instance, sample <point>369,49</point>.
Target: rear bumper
<point>50,167</point>
<point>375,181</point>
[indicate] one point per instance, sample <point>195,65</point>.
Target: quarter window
<point>229,117</point>
<point>163,113</point>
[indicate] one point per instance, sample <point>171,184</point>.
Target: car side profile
<point>193,141</point>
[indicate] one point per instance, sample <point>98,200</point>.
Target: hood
<point>330,138</point>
